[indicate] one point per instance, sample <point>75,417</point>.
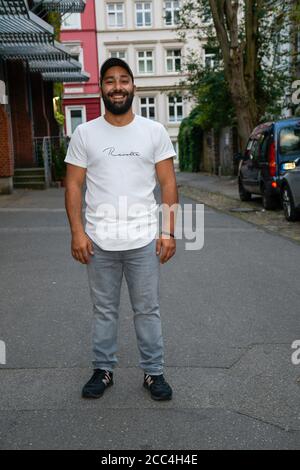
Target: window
<point>175,109</point>
<point>118,54</point>
<point>173,60</point>
<point>71,21</point>
<point>289,142</point>
<point>172,9</point>
<point>147,107</point>
<point>115,12</point>
<point>265,144</point>
<point>145,62</point>
<point>207,16</point>
<point>210,60</point>
<point>211,57</point>
<point>257,148</point>
<point>143,14</point>
<point>77,54</point>
<point>254,149</point>
<point>75,115</point>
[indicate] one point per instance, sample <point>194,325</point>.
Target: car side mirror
<point>297,161</point>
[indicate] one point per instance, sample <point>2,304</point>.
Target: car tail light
<point>272,159</point>
<point>274,184</point>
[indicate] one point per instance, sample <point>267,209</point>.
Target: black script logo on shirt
<point>110,152</point>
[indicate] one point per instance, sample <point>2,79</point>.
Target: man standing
<point>120,155</point>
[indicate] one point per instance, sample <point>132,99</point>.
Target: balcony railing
<point>49,155</point>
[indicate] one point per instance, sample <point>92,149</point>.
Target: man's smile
<point>118,96</point>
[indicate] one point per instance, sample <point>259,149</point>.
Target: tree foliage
<point>248,78</point>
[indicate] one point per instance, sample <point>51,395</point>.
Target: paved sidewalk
<point>229,319</point>
<point>226,185</point>
<point>25,199</point>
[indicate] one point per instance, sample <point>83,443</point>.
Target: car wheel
<point>288,205</point>
<point>244,195</point>
<point>270,202</point>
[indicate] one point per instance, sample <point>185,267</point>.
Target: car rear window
<point>289,142</point>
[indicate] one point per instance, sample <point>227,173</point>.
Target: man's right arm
<point>81,246</point>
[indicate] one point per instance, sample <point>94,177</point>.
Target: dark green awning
<point>55,66</point>
<point>13,7</point>
<point>17,23</point>
<point>34,51</point>
<point>61,6</point>
<point>66,76</point>
<point>25,36</point>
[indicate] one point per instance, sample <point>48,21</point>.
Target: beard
<point>115,107</point>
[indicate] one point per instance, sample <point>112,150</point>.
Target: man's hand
<point>166,247</point>
<point>81,247</point>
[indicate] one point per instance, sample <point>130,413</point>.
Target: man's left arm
<point>166,244</point>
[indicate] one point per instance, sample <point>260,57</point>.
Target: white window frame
<point>75,24</point>
<point>117,51</point>
<point>173,58</point>
<point>176,120</point>
<point>211,58</point>
<point>116,11</point>
<point>145,59</point>
<point>172,9</point>
<point>143,11</point>
<point>80,56</point>
<point>147,106</point>
<point>68,110</point>
<point>75,48</point>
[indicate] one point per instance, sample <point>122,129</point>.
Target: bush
<point>190,143</point>
<point>58,164</point>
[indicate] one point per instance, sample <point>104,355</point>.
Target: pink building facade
<point>81,101</point>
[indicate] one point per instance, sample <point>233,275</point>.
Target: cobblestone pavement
<point>221,193</point>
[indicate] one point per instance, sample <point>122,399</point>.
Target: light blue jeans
<point>141,267</point>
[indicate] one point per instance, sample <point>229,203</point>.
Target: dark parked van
<point>272,151</point>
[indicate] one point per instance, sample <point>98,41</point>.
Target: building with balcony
<point>31,60</point>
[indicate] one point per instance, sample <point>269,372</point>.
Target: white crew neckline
<point>108,124</point>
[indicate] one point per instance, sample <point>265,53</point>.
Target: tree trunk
<point>252,9</point>
<point>225,17</point>
<point>245,114</point>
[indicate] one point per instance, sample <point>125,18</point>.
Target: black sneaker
<point>158,387</point>
<point>95,387</point>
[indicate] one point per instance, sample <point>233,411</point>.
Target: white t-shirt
<point>121,211</point>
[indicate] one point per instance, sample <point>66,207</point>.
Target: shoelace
<point>157,379</point>
<point>103,375</point>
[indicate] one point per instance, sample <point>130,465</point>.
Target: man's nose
<point>118,86</point>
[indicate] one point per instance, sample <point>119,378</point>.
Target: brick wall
<point>6,151</point>
<point>22,129</point>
